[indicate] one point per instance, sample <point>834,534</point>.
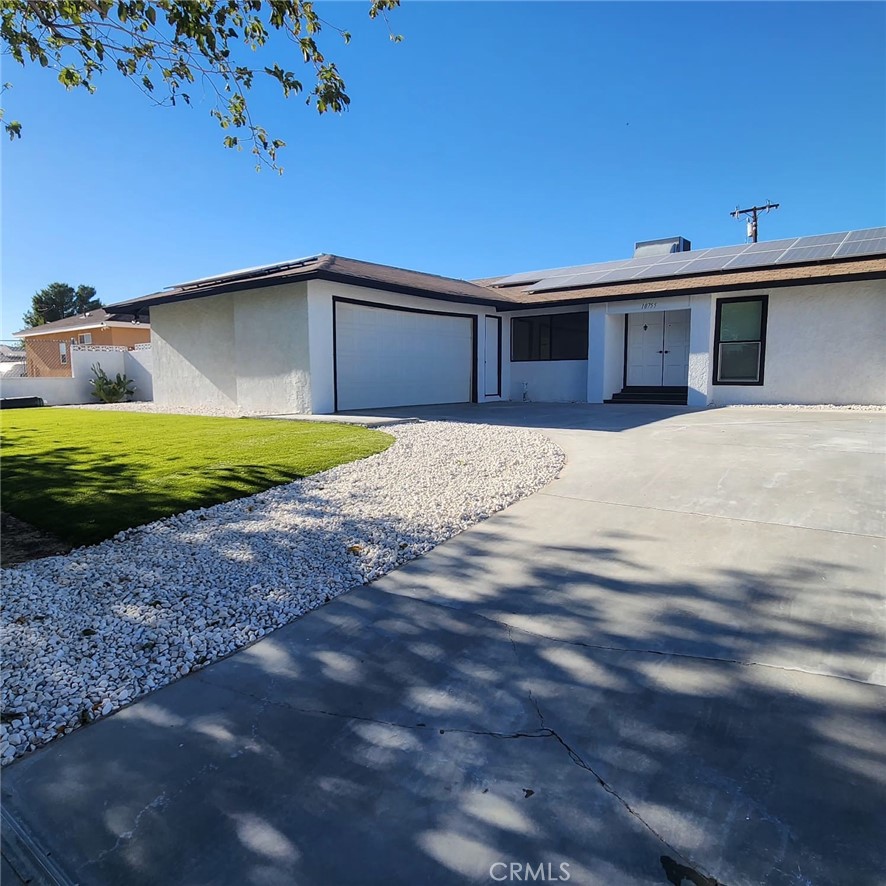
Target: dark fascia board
<point>694,290</point>
<point>405,290</point>
<point>162,298</point>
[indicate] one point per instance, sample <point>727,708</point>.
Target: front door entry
<point>657,349</point>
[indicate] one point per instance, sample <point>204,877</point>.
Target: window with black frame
<point>549,337</point>
<point>740,340</point>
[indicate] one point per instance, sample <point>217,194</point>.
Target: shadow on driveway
<point>644,696</point>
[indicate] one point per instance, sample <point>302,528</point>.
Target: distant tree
<point>59,300</point>
<point>165,46</point>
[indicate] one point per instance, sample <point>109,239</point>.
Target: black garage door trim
<point>336,300</point>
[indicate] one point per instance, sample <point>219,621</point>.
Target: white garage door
<point>390,357</point>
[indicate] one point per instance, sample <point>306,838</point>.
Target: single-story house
<point>801,320</point>
<point>47,347</point>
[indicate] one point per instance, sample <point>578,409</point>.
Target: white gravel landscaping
<point>814,407</point>
<point>93,630</point>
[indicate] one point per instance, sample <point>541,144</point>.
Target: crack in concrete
<point>544,731</point>
<point>158,803</point>
<point>264,701</point>
<point>639,651</point>
<point>579,761</point>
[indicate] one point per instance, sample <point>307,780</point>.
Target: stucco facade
<point>825,344</point>
<point>285,348</point>
<point>245,349</point>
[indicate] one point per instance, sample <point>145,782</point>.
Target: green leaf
<point>199,39</point>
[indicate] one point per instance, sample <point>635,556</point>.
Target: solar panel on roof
<point>862,247</point>
<point>536,276</point>
<point>752,259</point>
<point>673,257</point>
<point>558,282</point>
<point>701,265</point>
<point>806,253</point>
<point>245,272</point>
<point>554,283</point>
<point>616,276</point>
<point>660,270</point>
<point>868,234</point>
<point>727,250</point>
<point>821,239</point>
<point>772,245</point>
<point>819,247</point>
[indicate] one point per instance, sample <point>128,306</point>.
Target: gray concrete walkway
<point>668,666</point>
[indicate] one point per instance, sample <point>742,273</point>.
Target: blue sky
<point>497,137</point>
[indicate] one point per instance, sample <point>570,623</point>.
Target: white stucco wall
<point>271,343</point>
<point>550,381</point>
<point>547,381</point>
<point>605,353</point>
<point>242,349</point>
<point>824,344</point>
<point>701,332</point>
<point>320,348</point>
<point>193,347</point>
<point>139,366</point>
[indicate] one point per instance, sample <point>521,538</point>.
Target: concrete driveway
<point>668,666</point>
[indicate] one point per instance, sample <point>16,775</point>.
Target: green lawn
<point>84,475</point>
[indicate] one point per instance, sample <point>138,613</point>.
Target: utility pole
<point>752,217</point>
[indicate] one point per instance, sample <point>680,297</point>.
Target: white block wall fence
<point>136,364</point>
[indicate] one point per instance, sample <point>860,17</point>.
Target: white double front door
<point>658,349</point>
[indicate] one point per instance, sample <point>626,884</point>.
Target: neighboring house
<point>801,320</point>
<point>48,347</point>
<point>12,361</point>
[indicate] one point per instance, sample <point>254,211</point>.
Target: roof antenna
<point>752,213</point>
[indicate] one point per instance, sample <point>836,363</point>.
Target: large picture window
<point>740,340</point>
<point>550,337</point>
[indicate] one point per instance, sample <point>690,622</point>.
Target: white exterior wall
<point>546,381</point>
<point>193,346</point>
<point>320,311</point>
<point>701,335</point>
<point>320,349</point>
<point>271,344</point>
<point>550,381</point>
<point>606,341</point>
<point>242,349</point>
<point>824,344</point>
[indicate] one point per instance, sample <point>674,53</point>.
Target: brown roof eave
<point>160,298</point>
<point>481,299</point>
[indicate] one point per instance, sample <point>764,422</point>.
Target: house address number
<point>648,304</point>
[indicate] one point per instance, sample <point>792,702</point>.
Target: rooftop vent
<point>661,247</point>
